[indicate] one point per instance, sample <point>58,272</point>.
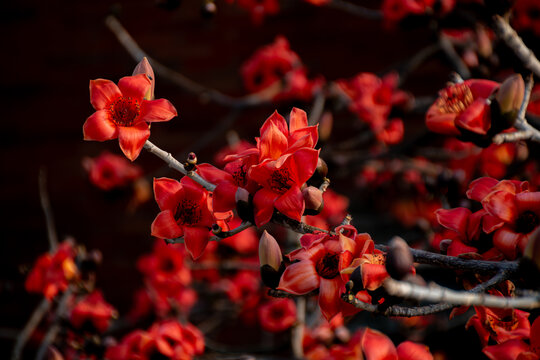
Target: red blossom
<point>93,309</point>
<point>123,112</point>
<point>185,211</point>
<point>109,171</point>
<point>275,63</point>
<point>525,15</point>
<point>277,315</point>
<point>462,108</point>
<point>258,8</point>
<point>53,272</point>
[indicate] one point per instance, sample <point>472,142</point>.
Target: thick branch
<point>456,263</point>
<point>437,293</point>
<point>511,38</point>
<point>297,226</point>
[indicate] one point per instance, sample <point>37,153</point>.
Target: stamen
<point>327,266</point>
<point>187,213</point>
<point>279,180</point>
<point>124,111</point>
<point>455,99</point>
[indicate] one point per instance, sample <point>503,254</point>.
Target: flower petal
<point>132,139</point>
<point>157,110</point>
<point>475,118</point>
<point>299,278</point>
<point>305,161</point>
<point>164,226</point>
<point>98,127</point>
<point>263,202</point>
<point>291,204</point>
<point>196,239</point>
<point>272,143</point>
<point>480,188</point>
<point>373,275</point>
<point>454,219</point>
<point>501,204</point>
<point>297,120</point>
<point>528,201</point>
<point>409,350</point>
<point>377,346</point>
<point>278,121</point>
<point>506,241</point>
<point>329,297</point>
<point>508,350</point>
<point>441,123</point>
<point>102,93</point>
<point>165,193</point>
<point>135,86</point>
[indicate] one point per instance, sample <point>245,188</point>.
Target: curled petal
<point>102,93</point>
<point>165,193</point>
<point>196,239</point>
<point>291,204</point>
<point>475,118</point>
<point>508,350</point>
<point>457,248</point>
<point>502,205</point>
<point>409,350</point>
<point>377,346</point>
<point>528,201</point>
<point>135,86</point>
<point>277,120</point>
<point>480,188</point>
<point>297,120</point>
<point>506,241</point>
<point>157,110</point>
<point>263,202</point>
<point>98,127</point>
<point>329,297</point>
<point>224,196</point>
<point>441,123</point>
<point>373,275</point>
<point>165,226</point>
<point>299,278</point>
<point>132,139</point>
<point>273,143</point>
<point>454,219</point>
<point>305,161</point>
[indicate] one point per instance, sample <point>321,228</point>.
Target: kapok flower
<point>177,341</point>
<point>185,211</point>
<point>525,16</point>
<point>109,171</point>
<point>94,310</point>
<point>52,273</point>
<point>123,112</point>
<point>322,258</point>
<point>462,108</point>
<point>277,315</point>
<point>396,10</point>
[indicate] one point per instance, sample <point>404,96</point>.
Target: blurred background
<point>51,49</point>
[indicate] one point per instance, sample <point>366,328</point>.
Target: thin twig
<point>298,226</point>
<point>221,235</point>
<point>177,165</point>
<point>357,10</point>
<point>225,265</point>
<point>511,38</point>
<point>453,56</point>
<point>47,210</point>
<point>317,107</point>
<point>436,293</point>
<point>297,333</point>
<point>50,336</point>
<point>29,328</point>
<point>185,83</point>
<point>451,262</point>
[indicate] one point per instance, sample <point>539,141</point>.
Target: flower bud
<point>313,199</point>
<point>209,9</point>
<point>144,68</point>
<point>271,260</point>
<point>325,126</point>
<point>399,260</point>
<point>244,205</point>
<point>510,96</point>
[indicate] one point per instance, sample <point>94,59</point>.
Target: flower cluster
<point>277,65</point>
<point>109,171</point>
<point>372,100</point>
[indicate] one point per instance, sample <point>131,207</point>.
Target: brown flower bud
<point>144,68</point>
<point>399,260</point>
<point>510,96</point>
<point>271,260</point>
<point>325,126</point>
<point>313,199</point>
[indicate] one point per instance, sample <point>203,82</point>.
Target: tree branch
<point>29,328</point>
<point>47,211</point>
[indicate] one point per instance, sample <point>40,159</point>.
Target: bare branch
<point>357,10</point>
<point>47,210</point>
<point>29,328</point>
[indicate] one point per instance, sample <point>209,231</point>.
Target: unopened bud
<point>510,96</point>
<point>271,260</point>
<point>208,9</point>
<point>144,68</point>
<point>313,199</point>
<point>399,260</point>
<point>243,205</point>
<point>325,126</point>
<point>191,161</point>
<point>322,168</point>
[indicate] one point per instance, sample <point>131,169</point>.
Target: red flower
<point>462,107</point>
<point>52,273</point>
<point>176,341</point>
<point>185,211</point>
<point>396,10</point>
<point>500,324</point>
<point>123,113</point>
<point>322,259</point>
<point>109,171</point>
<point>277,315</point>
<point>275,63</point>
<point>93,309</point>
<point>372,99</point>
<point>138,345</point>
<point>513,212</point>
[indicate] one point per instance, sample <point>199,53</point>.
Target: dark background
<point>50,51</point>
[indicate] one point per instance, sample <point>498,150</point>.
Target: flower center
<point>187,213</point>
<point>454,99</point>
<point>124,111</point>
<point>279,181</point>
<point>167,265</point>
<point>327,266</point>
<point>526,222</point>
<point>239,175</point>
